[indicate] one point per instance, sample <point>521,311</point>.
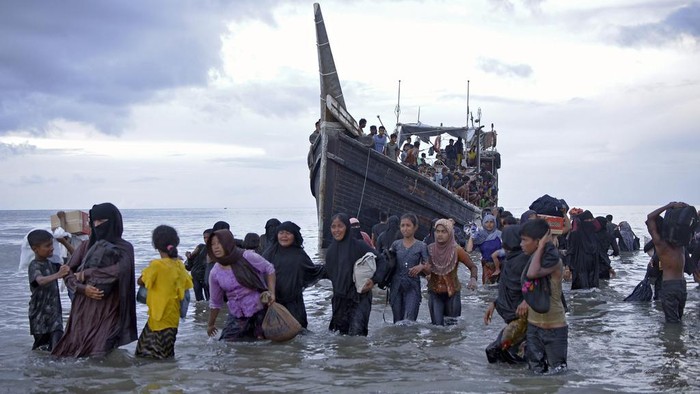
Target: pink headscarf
<point>443,256</point>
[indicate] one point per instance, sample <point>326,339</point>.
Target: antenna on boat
<point>418,115</point>
<point>380,121</point>
<point>397,110</point>
<point>467,103</point>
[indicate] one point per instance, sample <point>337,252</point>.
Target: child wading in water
<point>166,281</point>
<point>45,318</point>
<point>547,333</point>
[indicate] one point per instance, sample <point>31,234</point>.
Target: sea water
<point>613,345</point>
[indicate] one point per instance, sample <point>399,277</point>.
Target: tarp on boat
<point>424,131</point>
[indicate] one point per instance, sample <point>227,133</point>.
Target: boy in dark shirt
<point>45,318</point>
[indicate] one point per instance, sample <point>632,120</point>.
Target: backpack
<point>679,225</point>
<point>390,258</point>
<point>548,205</point>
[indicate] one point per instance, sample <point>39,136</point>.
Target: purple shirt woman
<point>242,276</point>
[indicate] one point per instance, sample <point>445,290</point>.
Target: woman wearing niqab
<point>350,309</point>
<point>270,234</point>
<point>627,240</point>
<point>294,270</point>
<point>100,320</point>
<point>584,253</point>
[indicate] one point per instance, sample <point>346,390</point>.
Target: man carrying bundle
<point>671,235</point>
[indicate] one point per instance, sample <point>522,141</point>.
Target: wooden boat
<point>348,176</point>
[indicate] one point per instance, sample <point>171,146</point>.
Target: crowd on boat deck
<point>526,258</point>
<point>452,167</point>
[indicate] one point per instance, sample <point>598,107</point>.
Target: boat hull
<point>350,177</point>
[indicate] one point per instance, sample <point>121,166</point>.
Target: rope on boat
<point>362,196</point>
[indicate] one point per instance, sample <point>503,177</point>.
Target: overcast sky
<point>162,104</point>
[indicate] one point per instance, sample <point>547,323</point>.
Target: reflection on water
<point>613,345</point>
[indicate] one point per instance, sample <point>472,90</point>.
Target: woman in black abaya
<point>293,268</point>
<point>350,308</point>
<point>584,252</point>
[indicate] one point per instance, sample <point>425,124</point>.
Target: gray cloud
<point>90,62</point>
<point>9,150</point>
<point>683,21</point>
<point>35,180</point>
<point>145,179</point>
<point>508,6</point>
<point>498,67</point>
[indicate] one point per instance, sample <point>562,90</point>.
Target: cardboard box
<point>556,224</point>
<point>77,222</point>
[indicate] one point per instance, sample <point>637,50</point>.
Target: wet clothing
<point>166,281</point>
<point>350,309</point>
<point>351,315</point>
<point>197,265</point>
<point>444,308</point>
<point>626,239</point>
<point>584,256</point>
<point>159,345</point>
<point>242,328</point>
<point>605,242</point>
<point>294,271</point>
<point>673,297</point>
<point>510,293</point>
<point>45,314</point>
<point>405,295</point>
<point>95,327</point>
<point>547,348</point>
<point>242,301</point>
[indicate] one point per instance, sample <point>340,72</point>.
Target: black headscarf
<point>270,229</point>
<point>245,273</point>
<point>583,254</point>
<point>293,267</point>
<point>510,237</point>
<point>340,260</point>
<point>391,234</point>
<point>112,229</point>
<point>510,293</point>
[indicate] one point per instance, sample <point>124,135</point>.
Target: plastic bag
<point>279,325</point>
<point>514,333</point>
<point>364,269</point>
<point>26,254</point>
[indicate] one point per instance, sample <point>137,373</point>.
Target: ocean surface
<point>613,345</point>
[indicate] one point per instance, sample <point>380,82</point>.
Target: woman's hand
<point>567,274</point>
<point>495,273</point>
<point>211,330</point>
<point>413,272</point>
<point>93,292</point>
<point>489,313</point>
<point>369,284</point>
<point>522,309</point>
<point>472,284</point>
<point>612,273</point>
